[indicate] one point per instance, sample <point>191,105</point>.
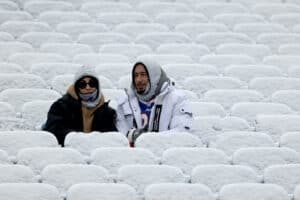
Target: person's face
<point>87,85</point>
<point>141,79</point>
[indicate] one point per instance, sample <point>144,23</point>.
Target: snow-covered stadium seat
<point>286,175</point>
<point>229,142</point>
<point>274,40</point>
<point>4,36</point>
<point>4,159</point>
<point>208,127</point>
<point>269,9</point>
<point>256,51</point>
<point>193,29</point>
<point>74,29</point>
<point>178,191</point>
<point>289,49</point>
<point>16,174</point>
<point>164,59</point>
<point>153,9</point>
<point>290,140</point>
<point>9,81</point>
<point>297,193</point>
<point>269,85</point>
<point>26,60</point>
<point>195,51</point>
<point>294,72</point>
<point>61,83</point>
<point>249,110</point>
<point>55,17</point>
<point>231,19</point>
<point>103,191</point>
<point>213,39</point>
<point>288,20</point>
<point>133,29</point>
<point>113,94</point>
<point>253,30</point>
<point>63,176</point>
<point>202,84</point>
<point>6,67</point>
<point>154,39</point>
<point>140,176</point>
<point>37,7</point>
<point>222,61</point>
<point>94,59</point>
<point>248,72</point>
<point>17,97</point>
<point>276,125</point>
<point>132,51</point>
<point>187,158</point>
<point>13,141</point>
<point>228,97</point>
<point>288,97</point>
<point>10,15</point>
<point>171,19</point>
<point>114,70</point>
<point>207,109</point>
<point>9,48</point>
<point>25,191</point>
<point>35,113</point>
<point>259,158</point>
<point>50,70</point>
<point>282,61</point>
<point>12,123</point>
<point>7,110</point>
<point>181,71</point>
<point>216,176</point>
<point>17,28</point>
<point>94,8</point>
<point>68,50</point>
<point>86,143</point>
<point>159,142</point>
<point>248,191</point>
<point>39,157</point>
<point>8,5</point>
<point>250,3</point>
<point>212,9</point>
<point>112,158</point>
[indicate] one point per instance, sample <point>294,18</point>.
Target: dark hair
<point>134,66</point>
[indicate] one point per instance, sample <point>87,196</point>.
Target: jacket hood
<point>157,77</point>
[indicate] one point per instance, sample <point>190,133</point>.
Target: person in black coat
<point>81,109</point>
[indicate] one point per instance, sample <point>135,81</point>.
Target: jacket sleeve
<point>56,122</point>
<point>122,122</point>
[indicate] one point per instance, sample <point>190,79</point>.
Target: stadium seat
<point>140,176</point>
<point>10,15</point>
<point>12,123</point>
<point>94,8</point>
<point>270,9</point>
<point>289,49</point>
<point>86,143</point>
<point>103,191</point>
<point>297,193</point>
<point>159,142</point>
<point>249,110</point>
<point>63,176</point>
<point>16,174</point>
<point>282,61</point>
<point>114,70</point>
<point>256,51</point>
<point>25,139</point>
<point>294,72</point>
<point>68,50</point>
<point>5,37</point>
<point>178,191</point>
<point>9,48</point>
<point>248,191</point>
<point>7,110</point>
<point>94,59</point>
<point>195,51</point>
<point>112,158</point>
<point>113,94</point>
<point>288,20</point>
<point>290,140</point>
<point>18,28</point>
<point>187,158</point>
<point>164,59</point>
<point>37,158</point>
<point>268,85</point>
<point>26,60</point>
<point>37,7</point>
<point>286,175</point>
<point>248,72</point>
<point>216,176</point>
<point>228,97</point>
<point>207,109</point>
<point>8,5</point>
<point>288,97</point>
<point>276,125</point>
<point>259,158</point>
<point>231,141</point>
<point>4,157</point>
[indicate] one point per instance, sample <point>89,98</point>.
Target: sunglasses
<point>92,83</point>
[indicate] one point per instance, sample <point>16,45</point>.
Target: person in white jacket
<point>152,103</point>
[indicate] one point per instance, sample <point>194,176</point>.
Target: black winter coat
<point>65,116</point>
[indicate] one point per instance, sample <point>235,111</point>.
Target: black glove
<point>133,134</point>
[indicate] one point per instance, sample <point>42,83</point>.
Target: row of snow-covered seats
<point>156,162</point>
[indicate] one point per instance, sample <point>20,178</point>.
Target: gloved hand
<point>133,134</point>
